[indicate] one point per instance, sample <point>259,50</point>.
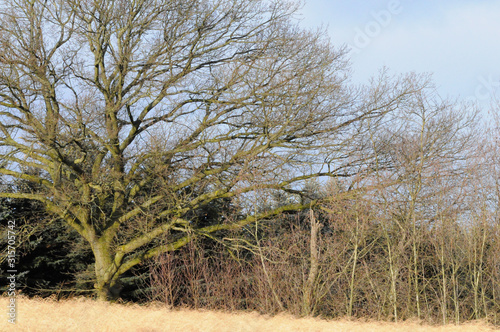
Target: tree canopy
<point>137,113</point>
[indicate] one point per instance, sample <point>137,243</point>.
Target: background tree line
<point>215,154</point>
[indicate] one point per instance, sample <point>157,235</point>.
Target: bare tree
<point>429,147</point>
<point>138,113</point>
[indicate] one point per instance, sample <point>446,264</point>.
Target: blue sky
<point>457,41</point>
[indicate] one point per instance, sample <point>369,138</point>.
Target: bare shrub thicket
<point>365,269</point>
<point>419,239</point>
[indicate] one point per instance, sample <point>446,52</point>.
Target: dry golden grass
<point>87,315</point>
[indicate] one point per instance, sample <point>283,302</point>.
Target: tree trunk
<point>108,291</point>
<point>107,284</point>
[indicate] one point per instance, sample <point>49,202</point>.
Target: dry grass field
<point>87,315</point>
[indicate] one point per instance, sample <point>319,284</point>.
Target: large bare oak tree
<point>133,114</point>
